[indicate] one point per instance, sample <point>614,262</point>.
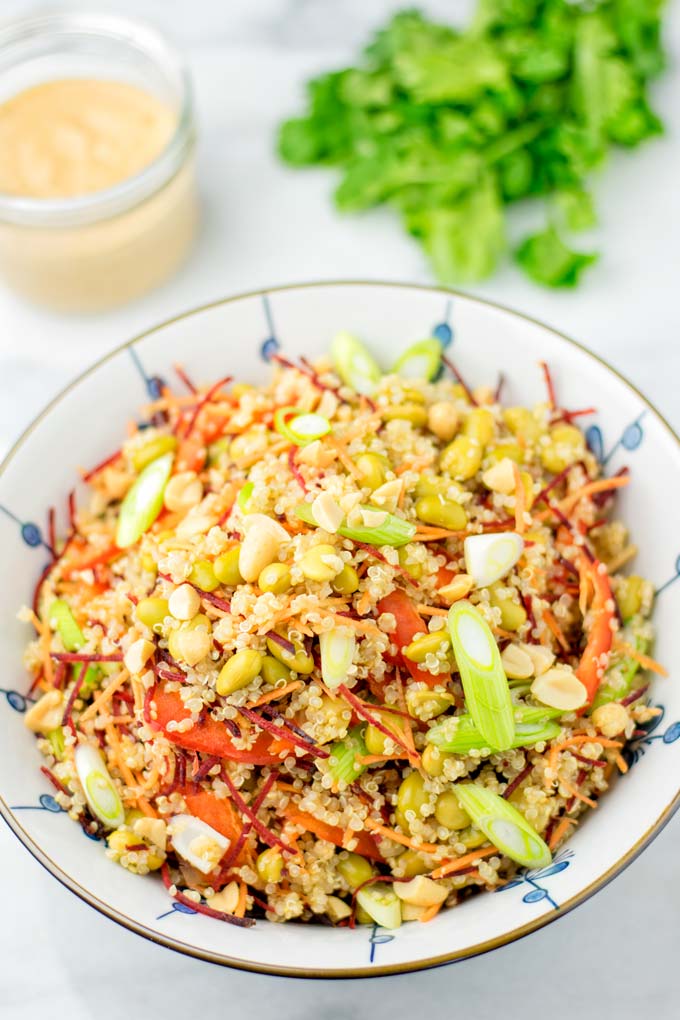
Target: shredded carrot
<point>520,500</point>
<point>449,867</point>
<point>278,692</point>
<point>645,661</point>
<point>621,763</point>
<point>427,534</point>
<point>128,776</point>
<point>104,696</point>
<point>575,792</point>
<point>560,831</point>
<point>555,628</point>
<point>240,909</point>
<point>578,738</point>
<point>431,610</point>
<point>429,913</point>
<point>347,836</point>
<point>600,485</point>
<point>45,640</point>
<point>417,464</point>
<point>398,837</point>
<point>364,603</point>
<point>37,622</point>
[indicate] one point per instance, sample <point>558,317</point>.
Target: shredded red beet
<point>214,389</point>
<point>454,371</point>
<point>600,499</point>
<point>232,727</point>
<point>56,783</point>
<point>528,604</point>
<point>67,718</point>
<point>52,530</point>
<point>214,600</point>
<point>282,642</point>
<point>202,908</point>
<point>72,511</point>
<point>183,377</point>
<point>204,768</point>
<point>379,556</point>
<point>284,732</point>
<point>59,675</point>
<point>265,834</point>
<point>499,388</point>
<point>511,787</point>
<point>81,657</point>
<point>569,416</point>
<point>362,710</point>
<point>635,695</point>
<point>549,385</point>
<point>89,475</point>
<point>294,469</point>
<point>314,376</point>
<point>582,773</point>
<point>235,848</point>
<point>589,761</point>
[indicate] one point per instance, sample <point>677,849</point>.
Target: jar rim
<point>105,203</point>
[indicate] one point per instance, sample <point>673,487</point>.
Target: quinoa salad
<point>343,647</point>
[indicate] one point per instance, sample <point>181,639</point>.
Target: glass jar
<point>102,248</point>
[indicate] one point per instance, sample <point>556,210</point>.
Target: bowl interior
<point>236,337</point>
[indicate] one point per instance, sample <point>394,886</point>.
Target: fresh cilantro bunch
<point>450,126</point>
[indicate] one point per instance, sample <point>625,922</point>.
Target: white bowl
<point>234,336</point>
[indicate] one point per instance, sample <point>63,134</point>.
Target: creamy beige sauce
<point>74,136</point>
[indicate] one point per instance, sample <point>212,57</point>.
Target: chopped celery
<point>342,764</point>
<point>98,786</point>
<point>143,501</point>
<point>353,363</point>
<point>422,360</point>
<point>503,825</point>
<point>393,531</point>
<point>485,685</point>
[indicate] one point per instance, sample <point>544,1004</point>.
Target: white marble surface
<point>264,225</point>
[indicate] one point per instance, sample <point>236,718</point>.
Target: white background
<point>263,225</point>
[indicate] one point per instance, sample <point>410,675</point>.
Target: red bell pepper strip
<point>409,624</point>
<point>595,657</point>
<point>213,811</point>
<point>209,735</point>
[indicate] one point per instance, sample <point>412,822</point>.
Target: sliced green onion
<point>381,903</point>
<point>144,501</point>
<point>337,652</point>
<point>485,685</point>
<point>353,363</point>
<point>503,825</point>
<point>342,764</point>
<point>244,496</point>
<point>626,670</point>
<point>300,427</point>
<point>218,449</point>
<point>459,735</point>
<point>393,531</point>
<point>421,361</point>
<point>63,621</point>
<point>98,786</point>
